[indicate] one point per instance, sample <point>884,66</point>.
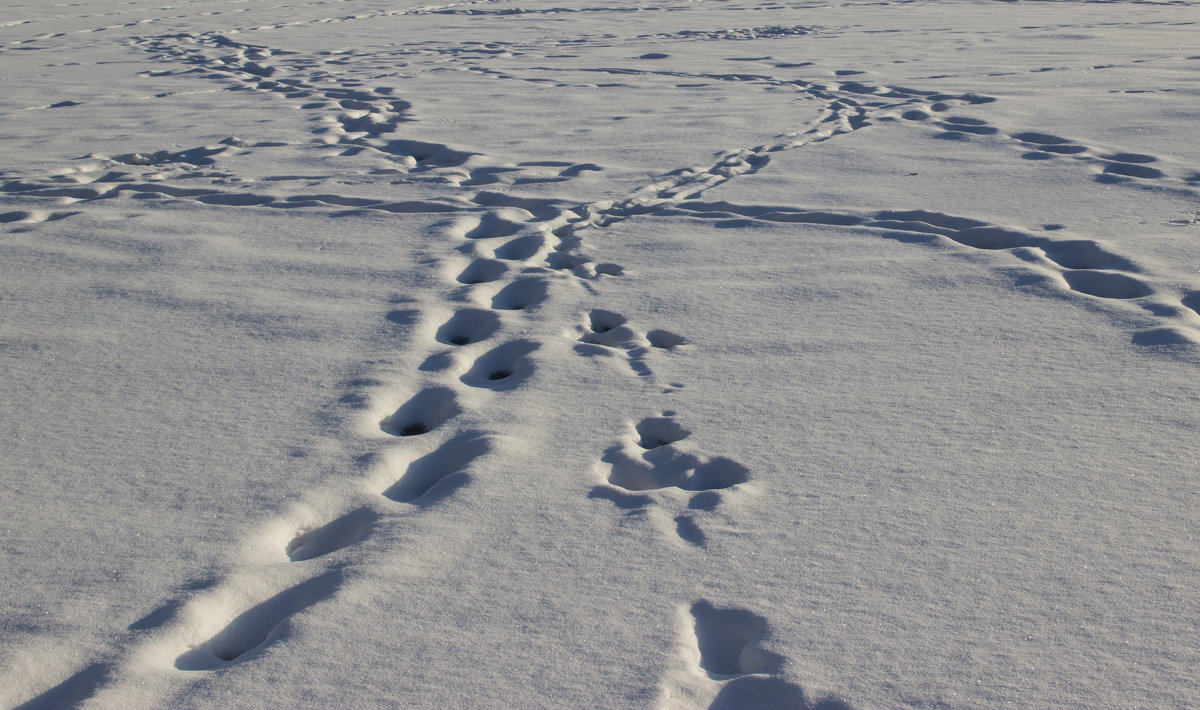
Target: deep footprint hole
<point>426,411</point>
<point>521,248</point>
<point>659,431</point>
<point>520,294</point>
<point>482,271</point>
<point>502,367</point>
<point>728,641</point>
<point>469,325</point>
<point>603,321</point>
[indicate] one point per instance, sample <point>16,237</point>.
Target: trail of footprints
<point>1079,265</point>
<point>434,476</point>
<point>654,469</point>
<point>1110,166</point>
<point>351,117</point>
<point>425,480</point>
<point>508,253</point>
<point>848,106</point>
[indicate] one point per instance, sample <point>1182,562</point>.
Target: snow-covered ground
<point>566,354</point>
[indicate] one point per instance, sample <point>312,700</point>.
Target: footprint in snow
<point>729,642</point>
<point>469,325</point>
<point>503,367</point>
<point>333,536</point>
<point>426,411</point>
<point>607,333</point>
<point>657,463</point>
<point>490,225</point>
<point>482,271</point>
<point>256,628</point>
<point>520,294</point>
<point>727,647</point>
<point>652,459</point>
<point>437,474</point>
<point>521,248</point>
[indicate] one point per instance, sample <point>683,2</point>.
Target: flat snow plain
<point>564,354</point>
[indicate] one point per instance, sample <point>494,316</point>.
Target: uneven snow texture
<point>539,354</point>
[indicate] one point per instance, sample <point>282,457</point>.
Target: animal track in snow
<point>1106,284</point>
<point>664,339</point>
<point>156,187</point>
<point>23,217</point>
<point>1113,166</point>
<point>358,120</point>
<point>848,104</point>
<point>666,467</point>
<point>1192,301</point>
<point>437,474</point>
<point>1084,266</point>
<point>1047,143</point>
<point>566,253</point>
<point>610,329</point>
<point>652,459</point>
<point>963,124</point>
<point>366,120</point>
<point>520,294</point>
<point>503,367</point>
<point>1039,146</point>
<point>331,537</point>
<point>521,248</point>
<point>258,627</point>
<point>369,115</point>
<point>1080,261</point>
<point>605,332</point>
<point>469,325</point>
<point>482,271</point>
<point>73,691</point>
<point>489,226</point>
<point>364,114</point>
<point>426,411</point>
<point>688,531</point>
<point>729,641</point>
<point>659,431</point>
<point>1131,165</point>
<point>723,657</point>
<point>351,118</point>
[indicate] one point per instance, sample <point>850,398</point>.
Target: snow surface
<point>564,354</point>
